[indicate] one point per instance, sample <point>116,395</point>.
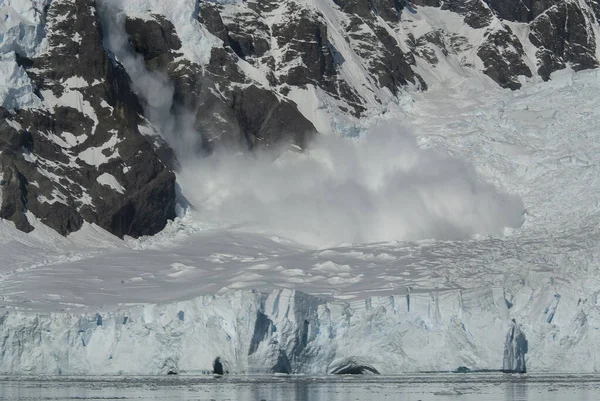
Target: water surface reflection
<point>451,387</point>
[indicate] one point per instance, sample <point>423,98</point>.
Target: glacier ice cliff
<point>285,331</point>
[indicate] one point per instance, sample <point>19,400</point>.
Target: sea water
<point>434,387</point>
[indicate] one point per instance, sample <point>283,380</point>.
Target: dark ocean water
<point>468,387</point>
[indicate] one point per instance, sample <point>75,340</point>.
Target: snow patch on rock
<point>110,181</point>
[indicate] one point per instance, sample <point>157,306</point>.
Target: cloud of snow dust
<point>155,89</point>
<point>379,188</point>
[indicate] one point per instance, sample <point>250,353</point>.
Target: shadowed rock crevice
<point>262,327</point>
<point>218,368</point>
<point>352,367</point>
<point>515,350</point>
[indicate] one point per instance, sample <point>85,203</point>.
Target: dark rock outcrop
<point>560,30</point>
<point>386,61</point>
<point>428,3</point>
<point>306,45</point>
<point>475,13</point>
<point>305,53</point>
<point>266,120</point>
<point>245,34</point>
<point>520,10</point>
<point>389,10</point>
<point>84,158</point>
<point>155,40</point>
<point>242,116</point>
<point>562,35</point>
<point>595,6</point>
<point>502,55</point>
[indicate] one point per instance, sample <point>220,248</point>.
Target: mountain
<point>73,145</point>
<point>308,186</point>
<point>89,85</point>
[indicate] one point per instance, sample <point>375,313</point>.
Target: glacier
<point>281,331</point>
<point>285,331</point>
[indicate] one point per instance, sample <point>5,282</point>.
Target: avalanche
<point>259,302</point>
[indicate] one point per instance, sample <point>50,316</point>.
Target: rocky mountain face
<point>80,155</point>
<point>77,142</point>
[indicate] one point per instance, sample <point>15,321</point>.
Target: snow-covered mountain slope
<point>74,148</point>
<point>90,89</point>
<point>258,302</point>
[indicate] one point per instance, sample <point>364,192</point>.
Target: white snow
<point>311,102</point>
<point>71,98</point>
<point>196,41</point>
<point>14,124</point>
<point>57,196</point>
<point>94,156</point>
<point>72,140</point>
<point>75,83</point>
<point>109,180</point>
<point>105,104</point>
<point>16,90</point>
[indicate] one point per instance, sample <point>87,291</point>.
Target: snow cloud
<point>154,89</point>
<point>379,188</point>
